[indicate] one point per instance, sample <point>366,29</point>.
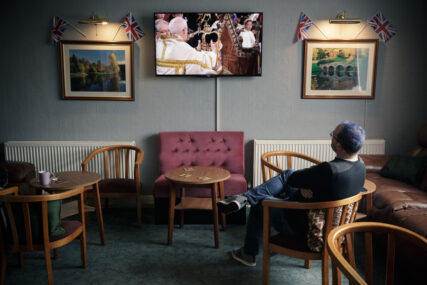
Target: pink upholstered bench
<point>181,149</point>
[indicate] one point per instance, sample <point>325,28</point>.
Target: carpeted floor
<point>140,256</point>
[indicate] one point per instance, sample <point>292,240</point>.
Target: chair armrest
<point>374,162</point>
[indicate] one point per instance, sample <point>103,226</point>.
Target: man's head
<point>162,27</point>
<point>178,26</point>
<point>349,137</point>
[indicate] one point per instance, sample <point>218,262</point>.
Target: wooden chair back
<point>368,228</point>
<point>113,157</point>
<point>15,204</point>
<point>296,249</point>
<point>24,202</point>
<point>274,162</point>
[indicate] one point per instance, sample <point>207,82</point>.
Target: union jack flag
<point>57,30</point>
<point>382,27</point>
<point>303,26</point>
<point>132,29</point>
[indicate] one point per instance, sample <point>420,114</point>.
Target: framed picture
<point>340,69</point>
<point>97,70</point>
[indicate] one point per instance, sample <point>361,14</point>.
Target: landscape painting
<point>339,69</point>
<point>97,71</point>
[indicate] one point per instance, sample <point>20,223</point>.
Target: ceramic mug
<point>44,177</point>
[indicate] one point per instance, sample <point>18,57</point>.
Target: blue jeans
<point>280,221</point>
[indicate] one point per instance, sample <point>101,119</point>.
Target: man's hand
<point>199,46</point>
<point>306,193</point>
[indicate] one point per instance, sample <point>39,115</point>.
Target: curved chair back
<point>333,213</point>
<point>113,157</point>
<point>393,232</point>
<point>21,224</point>
<point>274,162</point>
<point>117,162</point>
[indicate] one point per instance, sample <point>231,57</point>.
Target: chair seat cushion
<point>115,185</point>
<point>236,184</point>
<point>291,243</point>
<point>69,228</point>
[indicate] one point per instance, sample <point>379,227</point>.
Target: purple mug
<point>44,177</point>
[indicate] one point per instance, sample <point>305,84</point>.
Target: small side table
<point>75,179</point>
<point>196,176</point>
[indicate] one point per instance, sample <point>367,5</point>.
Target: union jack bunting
<point>303,26</point>
<point>132,29</point>
<point>57,30</point>
<point>382,27</point>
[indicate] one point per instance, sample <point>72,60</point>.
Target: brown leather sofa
<point>404,205</point>
<point>397,202</point>
<point>20,174</point>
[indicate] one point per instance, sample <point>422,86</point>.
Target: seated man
<point>340,178</point>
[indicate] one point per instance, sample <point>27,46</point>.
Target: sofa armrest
<point>19,171</point>
<point>374,162</point>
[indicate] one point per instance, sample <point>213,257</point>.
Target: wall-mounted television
<point>208,44</point>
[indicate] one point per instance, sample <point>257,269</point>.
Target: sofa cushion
<point>384,184</point>
<point>218,149</point>
<point>19,171</point>
<point>374,162</point>
<point>398,200</point>
<point>408,169</point>
<point>236,184</point>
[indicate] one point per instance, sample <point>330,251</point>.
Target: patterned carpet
<point>141,256</point>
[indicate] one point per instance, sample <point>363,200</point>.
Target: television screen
<point>208,44</point>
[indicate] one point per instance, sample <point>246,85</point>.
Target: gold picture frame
<point>344,69</point>
<point>93,70</point>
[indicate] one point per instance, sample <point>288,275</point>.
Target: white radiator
<point>319,149</point>
<point>58,156</point>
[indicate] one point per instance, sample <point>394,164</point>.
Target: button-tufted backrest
<point>219,149</point>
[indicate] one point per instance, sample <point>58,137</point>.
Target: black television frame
<point>204,75</point>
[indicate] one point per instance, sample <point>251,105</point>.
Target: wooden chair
<point>348,267</point>
<point>15,205</point>
<point>271,163</point>
<point>123,185</point>
<point>274,162</point>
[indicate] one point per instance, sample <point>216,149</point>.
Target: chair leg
<point>325,268</point>
<point>139,210</point>
<point>48,266</point>
<point>86,213</point>
<point>336,274</point>
<point>20,259</point>
<point>3,263</point>
<point>307,263</point>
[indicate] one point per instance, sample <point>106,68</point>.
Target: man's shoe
<point>232,204</point>
<point>245,259</point>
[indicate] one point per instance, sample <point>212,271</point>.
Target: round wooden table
<point>196,176</point>
<point>75,179</point>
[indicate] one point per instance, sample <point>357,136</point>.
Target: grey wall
<point>267,107</point>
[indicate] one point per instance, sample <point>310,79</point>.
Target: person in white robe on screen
<point>247,36</point>
<point>175,56</point>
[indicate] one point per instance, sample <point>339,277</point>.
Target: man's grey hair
<point>177,25</point>
<point>158,21</point>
